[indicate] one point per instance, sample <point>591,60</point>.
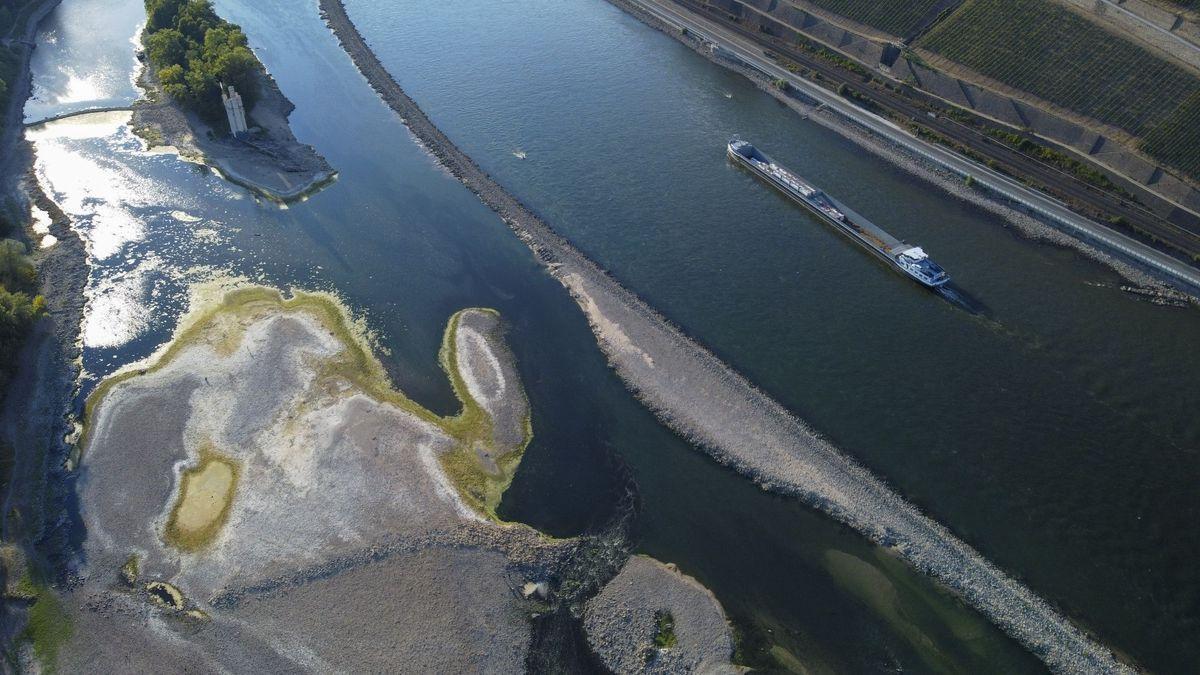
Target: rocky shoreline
<point>275,165</point>
<point>36,415</point>
<point>710,404</point>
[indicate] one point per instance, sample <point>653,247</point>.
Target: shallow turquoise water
<point>1058,436</point>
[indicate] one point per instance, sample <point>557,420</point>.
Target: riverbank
<point>35,414</point>
<point>11,129</point>
<point>705,401</point>
<point>1029,220</point>
<point>272,164</point>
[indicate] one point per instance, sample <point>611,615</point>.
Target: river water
<point>1058,434</point>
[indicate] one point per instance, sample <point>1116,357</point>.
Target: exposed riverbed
<point>810,320</point>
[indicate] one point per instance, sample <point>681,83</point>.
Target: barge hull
<point>844,219</point>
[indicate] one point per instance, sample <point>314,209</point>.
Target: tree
<point>17,313</point>
<point>15,270</point>
<point>166,46</point>
<point>223,38</point>
<point>161,13</point>
<point>237,67</point>
<point>171,79</point>
<point>195,18</point>
<point>202,92</point>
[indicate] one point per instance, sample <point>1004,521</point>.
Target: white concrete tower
<point>234,110</point>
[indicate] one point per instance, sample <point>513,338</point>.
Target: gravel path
<point>707,402</point>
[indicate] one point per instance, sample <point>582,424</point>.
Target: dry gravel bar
<point>343,544</point>
<point>621,622</point>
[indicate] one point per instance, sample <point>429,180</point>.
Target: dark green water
<point>1059,437</point>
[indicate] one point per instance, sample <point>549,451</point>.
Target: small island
<point>209,97</point>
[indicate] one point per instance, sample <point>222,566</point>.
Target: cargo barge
<point>908,259</point>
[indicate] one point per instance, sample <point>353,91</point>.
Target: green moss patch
<point>222,325</point>
<point>48,629</point>
<point>205,496</point>
<point>130,570</point>
<point>473,428</point>
<point>664,630</point>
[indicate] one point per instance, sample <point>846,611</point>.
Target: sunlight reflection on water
<point>139,215</point>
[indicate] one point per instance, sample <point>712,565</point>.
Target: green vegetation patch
<point>1176,140</point>
<point>894,17</point>
<point>205,497</point>
<point>222,326</point>
<point>1047,50</point>
<point>473,429</point>
<point>20,306</point>
<point>193,51</point>
<point>664,629</point>
<point>49,627</point>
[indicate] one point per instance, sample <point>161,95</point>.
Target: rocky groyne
<point>710,404</point>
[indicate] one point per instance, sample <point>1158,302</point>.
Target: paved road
<point>1048,207</point>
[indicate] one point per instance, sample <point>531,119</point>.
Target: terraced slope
<point>1176,140</point>
<point>896,17</point>
<point>1051,52</point>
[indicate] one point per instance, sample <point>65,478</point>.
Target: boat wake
<point>963,300</point>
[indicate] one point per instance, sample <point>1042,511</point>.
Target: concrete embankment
<point>704,400</point>
<point>76,113</point>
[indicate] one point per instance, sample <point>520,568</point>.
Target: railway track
<point>1179,240</point>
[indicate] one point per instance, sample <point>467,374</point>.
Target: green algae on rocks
<point>490,432</point>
